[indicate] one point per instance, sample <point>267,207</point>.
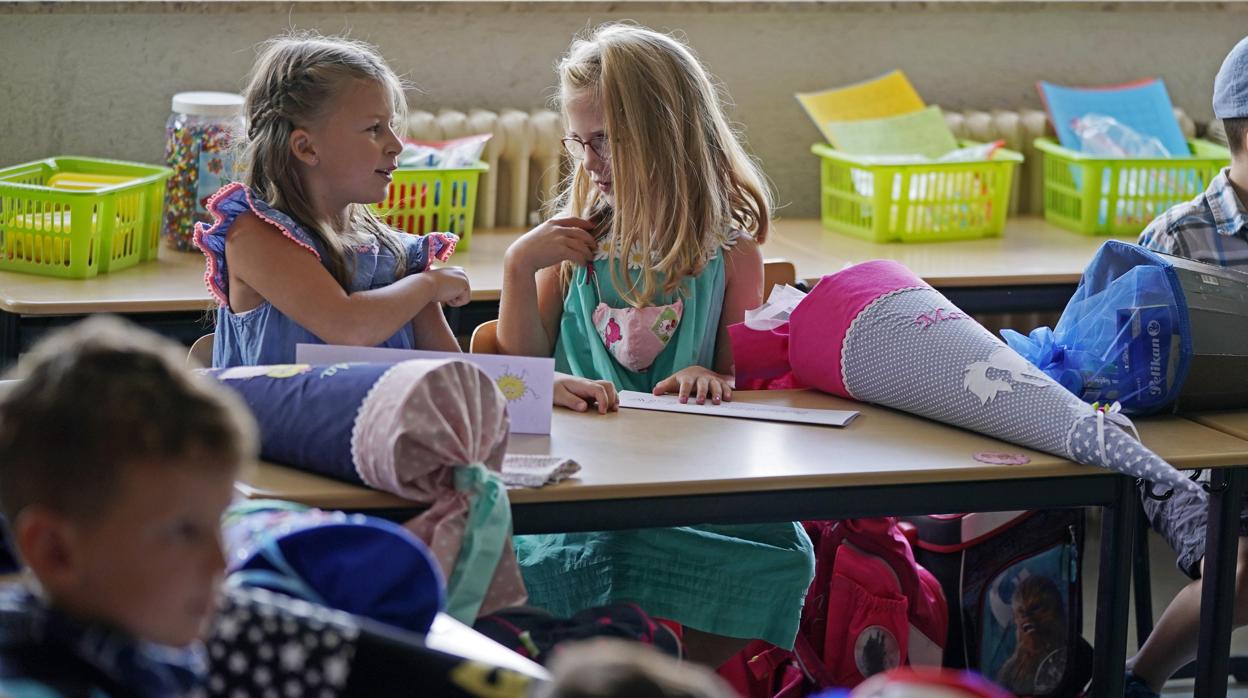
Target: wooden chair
<point>777,271</point>
<point>484,338</point>
<point>200,355</point>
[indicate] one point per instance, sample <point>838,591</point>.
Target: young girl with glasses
<point>654,252</point>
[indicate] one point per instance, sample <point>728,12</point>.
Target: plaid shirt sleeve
<point>1162,236</point>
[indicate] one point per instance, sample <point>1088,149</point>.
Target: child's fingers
<point>613,397</point>
<point>566,398</point>
<point>703,386</point>
<point>686,385</point>
<point>578,234</point>
<point>727,392</point>
<point>717,391</point>
<point>574,222</point>
<point>580,252</point>
<point>602,396</point>
<point>665,386</point>
<point>574,252</point>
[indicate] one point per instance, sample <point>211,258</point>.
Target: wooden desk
<point>1233,422</point>
<point>644,469</point>
<point>633,455</point>
<point>167,295</point>
<point>1029,252</point>
<point>1033,266</point>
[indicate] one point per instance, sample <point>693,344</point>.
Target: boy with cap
<point>1211,228</point>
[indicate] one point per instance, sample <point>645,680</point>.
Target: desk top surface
<point>1030,252</point>
<point>1233,422</point>
<point>637,453</point>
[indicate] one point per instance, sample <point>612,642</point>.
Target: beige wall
<point>95,78</point>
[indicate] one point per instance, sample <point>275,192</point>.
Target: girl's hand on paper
<point>576,393</point>
<point>699,382</point>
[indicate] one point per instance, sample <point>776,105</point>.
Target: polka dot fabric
<point>913,350</point>
<point>264,645</point>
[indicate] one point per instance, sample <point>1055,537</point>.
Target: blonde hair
<point>679,172</point>
<point>293,84</point>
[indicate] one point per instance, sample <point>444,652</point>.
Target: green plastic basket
<point>1096,195</point>
<point>76,234</point>
<point>424,200</point>
<point>930,202</point>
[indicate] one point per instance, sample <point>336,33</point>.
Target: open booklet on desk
<point>741,410</point>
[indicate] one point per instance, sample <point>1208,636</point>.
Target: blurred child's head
<point>116,464</point>
<point>1230,99</point>
<point>611,668</point>
<point>661,162</point>
<point>321,141</point>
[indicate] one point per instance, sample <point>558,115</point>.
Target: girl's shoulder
<point>235,203</point>
<point>728,239</point>
<point>740,250</point>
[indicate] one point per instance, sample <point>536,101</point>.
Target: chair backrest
<point>200,355</point>
<point>484,338</point>
<point>777,271</point>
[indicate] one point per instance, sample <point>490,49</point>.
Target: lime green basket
<point>426,200</point>
<point>1096,195</point>
<point>931,202</point>
<point>76,234</point>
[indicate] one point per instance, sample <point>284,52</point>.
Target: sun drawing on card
<point>514,386</point>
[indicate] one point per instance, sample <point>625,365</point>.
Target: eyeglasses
<point>601,146</point>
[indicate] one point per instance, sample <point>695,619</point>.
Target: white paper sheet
<point>741,410</point>
<point>527,382</point>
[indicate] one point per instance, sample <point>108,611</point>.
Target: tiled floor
<point>1166,581</point>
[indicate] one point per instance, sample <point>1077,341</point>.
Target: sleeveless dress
<point>265,335</point>
<point>744,581</point>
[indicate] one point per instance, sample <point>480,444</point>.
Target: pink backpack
<point>870,608</point>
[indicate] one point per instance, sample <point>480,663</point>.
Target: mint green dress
<point>744,581</point>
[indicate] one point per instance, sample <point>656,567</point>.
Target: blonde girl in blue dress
<point>654,253</point>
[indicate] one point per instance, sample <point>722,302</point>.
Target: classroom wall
<point>95,78</point>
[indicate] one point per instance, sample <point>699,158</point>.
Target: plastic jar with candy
<point>197,148</point>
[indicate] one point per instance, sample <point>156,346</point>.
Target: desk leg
<point>1118,524</point>
<point>1217,596</point>
<point>10,338</point>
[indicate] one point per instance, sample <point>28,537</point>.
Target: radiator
<point>525,158</point>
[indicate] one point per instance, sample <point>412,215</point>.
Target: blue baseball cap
<point>1230,87</point>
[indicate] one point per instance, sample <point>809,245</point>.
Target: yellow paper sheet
<point>918,133</point>
<point>888,95</point>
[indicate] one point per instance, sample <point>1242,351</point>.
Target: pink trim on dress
<point>214,207</point>
<point>448,242</point>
